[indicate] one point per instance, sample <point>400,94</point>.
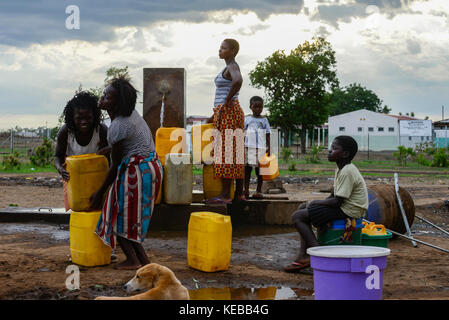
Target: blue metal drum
<point>384,207</point>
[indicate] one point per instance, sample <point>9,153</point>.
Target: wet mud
<point>34,256</point>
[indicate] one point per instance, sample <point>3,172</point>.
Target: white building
<point>378,131</point>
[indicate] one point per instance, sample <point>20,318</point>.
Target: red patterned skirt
<point>229,151</point>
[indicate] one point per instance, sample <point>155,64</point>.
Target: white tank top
<point>73,148</point>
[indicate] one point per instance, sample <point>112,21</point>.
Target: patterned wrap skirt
<point>130,201</point>
<point>229,151</point>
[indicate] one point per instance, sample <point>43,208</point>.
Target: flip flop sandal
<point>297,266</point>
<point>257,196</point>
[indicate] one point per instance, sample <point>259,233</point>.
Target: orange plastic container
<point>87,173</point>
<point>170,140</point>
<point>374,229</point>
<point>269,168</point>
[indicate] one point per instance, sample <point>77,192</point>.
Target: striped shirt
<point>222,89</point>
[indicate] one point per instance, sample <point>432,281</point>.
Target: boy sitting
<point>349,199</point>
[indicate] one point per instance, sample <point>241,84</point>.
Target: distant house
<point>190,120</point>
<point>441,133</point>
<point>27,134</point>
<point>380,132</point>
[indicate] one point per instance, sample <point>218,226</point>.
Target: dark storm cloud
<point>23,22</point>
<point>335,12</point>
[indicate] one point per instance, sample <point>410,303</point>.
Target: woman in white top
<point>81,133</point>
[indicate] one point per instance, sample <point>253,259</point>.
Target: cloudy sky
<point>397,48</point>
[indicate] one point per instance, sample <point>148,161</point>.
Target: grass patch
<point>22,151</point>
<point>29,168</point>
<point>365,164</point>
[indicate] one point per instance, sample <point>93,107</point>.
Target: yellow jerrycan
<point>209,241</point>
<point>86,248</point>
<point>178,178</point>
<point>269,169</point>
<point>87,173</point>
<point>202,137</point>
<point>161,190</point>
<point>170,140</point>
<point>212,187</point>
<point>159,196</point>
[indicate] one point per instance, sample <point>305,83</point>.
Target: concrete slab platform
<point>176,217</point>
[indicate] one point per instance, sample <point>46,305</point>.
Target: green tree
<point>403,155</point>
<point>295,85</point>
<point>354,97</point>
<point>114,72</point>
<point>111,73</point>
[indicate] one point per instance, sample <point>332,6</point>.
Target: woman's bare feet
<point>258,195</point>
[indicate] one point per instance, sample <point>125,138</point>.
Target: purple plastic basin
<point>348,272</point>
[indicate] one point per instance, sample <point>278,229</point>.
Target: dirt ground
<point>34,257</point>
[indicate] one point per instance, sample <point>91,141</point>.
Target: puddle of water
<point>267,293</point>
<point>54,231</point>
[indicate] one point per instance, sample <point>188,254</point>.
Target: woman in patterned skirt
<point>134,178</point>
<point>229,121</point>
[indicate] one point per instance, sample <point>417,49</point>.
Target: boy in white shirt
<point>257,143</point>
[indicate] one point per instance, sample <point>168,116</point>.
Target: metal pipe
<point>396,185</point>
<point>422,242</point>
<point>421,218</point>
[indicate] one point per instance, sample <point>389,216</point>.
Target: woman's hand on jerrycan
<point>104,151</point>
<point>96,201</point>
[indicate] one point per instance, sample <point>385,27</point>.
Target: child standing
<point>81,133</point>
<point>134,177</point>
<point>257,143</point>
<point>349,199</point>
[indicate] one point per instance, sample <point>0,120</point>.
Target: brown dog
<point>160,282</point>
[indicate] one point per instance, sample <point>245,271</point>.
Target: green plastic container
<point>376,241</point>
<point>332,237</point>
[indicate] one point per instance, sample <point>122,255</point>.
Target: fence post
<point>12,140</point>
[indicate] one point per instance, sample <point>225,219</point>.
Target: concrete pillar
<point>172,82</point>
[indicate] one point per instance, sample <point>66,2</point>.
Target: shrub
<point>430,151</point>
<point>287,157</point>
<point>286,154</point>
<point>403,155</point>
<point>440,158</point>
<point>422,160</point>
<point>314,155</point>
<point>43,155</point>
<point>11,161</point>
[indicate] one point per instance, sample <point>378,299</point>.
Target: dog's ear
<point>152,274</point>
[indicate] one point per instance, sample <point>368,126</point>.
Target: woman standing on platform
<point>229,120</point>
